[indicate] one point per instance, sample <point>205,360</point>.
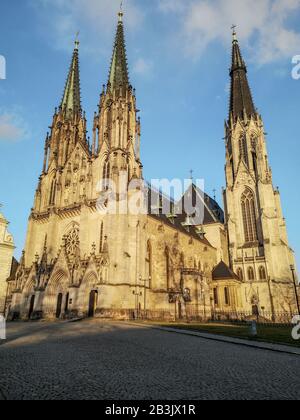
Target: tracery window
<point>72,241</point>
<point>249,216</point>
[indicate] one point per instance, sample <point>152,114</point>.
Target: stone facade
<point>6,256</point>
<point>82,260</point>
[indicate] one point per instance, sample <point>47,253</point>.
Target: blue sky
<point>179,55</point>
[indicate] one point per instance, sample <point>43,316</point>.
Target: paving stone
<point>102,360</point>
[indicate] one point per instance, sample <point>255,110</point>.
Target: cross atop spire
<point>241,101</point>
<point>121,14</point>
<point>77,43</point>
<point>118,75</point>
<point>234,37</point>
<point>71,102</point>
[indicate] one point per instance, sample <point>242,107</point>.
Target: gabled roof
<point>177,219</point>
<point>212,211</point>
<point>223,272</point>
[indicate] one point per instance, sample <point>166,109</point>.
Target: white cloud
<point>12,128</point>
<point>60,20</point>
<point>172,5</point>
<point>262,26</point>
<point>142,67</point>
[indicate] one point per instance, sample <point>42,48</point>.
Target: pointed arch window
<point>52,193</point>
<point>240,274</point>
<point>227,296</point>
<point>254,142</point>
<point>262,273</point>
<point>106,173</point>
<point>244,148</point>
<point>251,275</point>
<point>249,216</point>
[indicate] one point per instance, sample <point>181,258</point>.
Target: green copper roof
<point>118,74</point>
<point>71,99</point>
<point>241,97</point>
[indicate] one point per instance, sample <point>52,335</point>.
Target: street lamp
<point>295,287</point>
<point>145,292</point>
<point>137,295</point>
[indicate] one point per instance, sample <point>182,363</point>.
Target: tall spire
<point>241,101</point>
<point>118,75</point>
<point>71,102</point>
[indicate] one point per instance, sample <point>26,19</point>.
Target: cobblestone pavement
<point>101,360</point>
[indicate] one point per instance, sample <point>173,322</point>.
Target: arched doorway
<point>59,305</point>
<point>93,303</point>
<point>31,306</point>
<point>56,291</point>
<point>255,310</point>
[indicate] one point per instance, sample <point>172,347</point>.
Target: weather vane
<point>121,11</point>
<point>233,28</point>
<point>192,174</point>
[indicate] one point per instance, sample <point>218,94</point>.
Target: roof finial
<point>77,43</point>
<point>121,14</point>
<point>234,35</point>
<point>192,175</point>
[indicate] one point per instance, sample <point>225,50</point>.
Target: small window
<point>251,275</point>
<point>262,273</point>
<point>216,299</point>
<point>240,274</point>
<point>227,297</point>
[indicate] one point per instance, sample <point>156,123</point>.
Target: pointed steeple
<point>71,102</point>
<point>241,101</point>
<point>118,75</point>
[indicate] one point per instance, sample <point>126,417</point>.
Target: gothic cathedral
<point>80,262</point>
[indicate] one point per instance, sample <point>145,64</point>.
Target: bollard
<point>2,328</point>
<point>254,329</point>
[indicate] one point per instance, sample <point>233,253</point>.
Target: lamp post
<point>137,294</point>
<point>295,287</point>
<point>145,292</point>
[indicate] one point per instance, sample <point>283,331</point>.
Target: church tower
<point>66,179</point>
<point>117,129</point>
<point>258,242</point>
